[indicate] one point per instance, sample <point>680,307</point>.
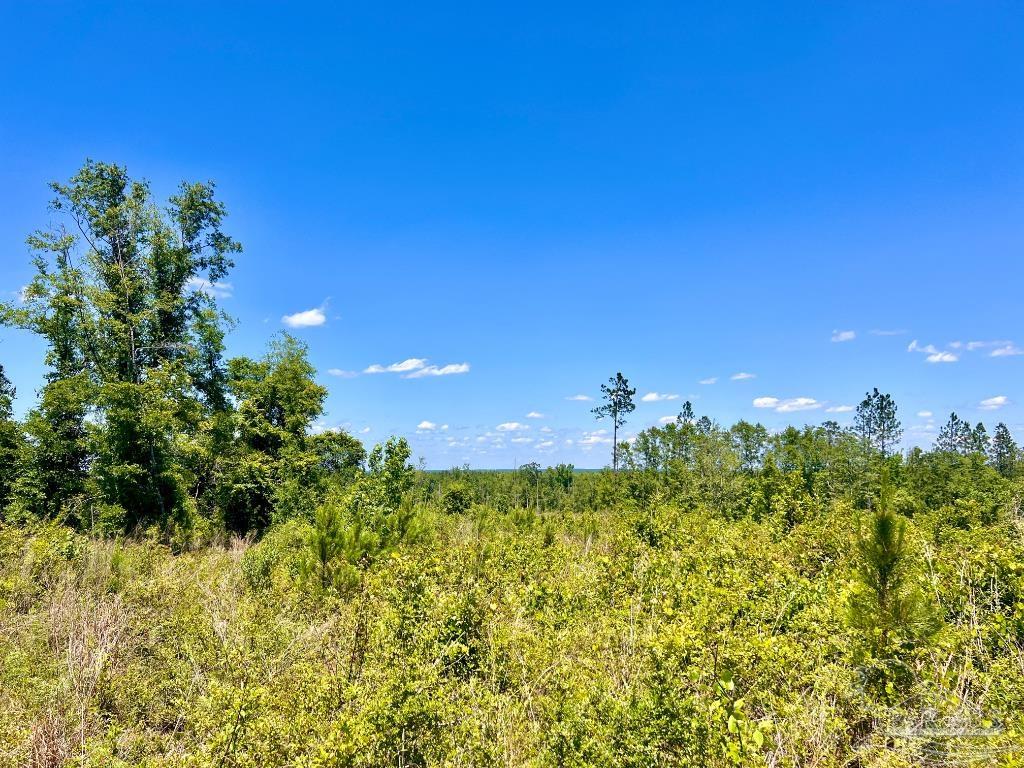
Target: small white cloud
<point>789,405</point>
<point>666,419</point>
<point>364,430</point>
<point>924,414</point>
<point>309,318</point>
<point>545,444</point>
<point>709,380</point>
<point>839,409</point>
<point>426,426</point>
<point>844,335</point>
<point>934,355</point>
<point>993,403</point>
<point>657,397</point>
<point>412,364</point>
<point>433,370</point>
<point>535,415</point>
<point>579,398</point>
<point>974,345</point>
<point>1007,350</point>
<point>597,437</point>
<point>546,429</point>
<point>511,426</point>
<point>743,376</point>
<point>519,440</point>
<point>215,289</point>
<point>885,332</point>
<point>342,374</point>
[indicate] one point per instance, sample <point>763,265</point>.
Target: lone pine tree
<point>618,401</point>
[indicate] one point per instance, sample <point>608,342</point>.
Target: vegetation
<point>191,576</point>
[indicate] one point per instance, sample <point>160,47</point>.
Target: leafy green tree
<point>10,439</point>
<point>618,403</point>
<point>877,423</point>
<point>268,471</point>
<point>121,296</point>
<point>1005,454</point>
<point>457,499</point>
<point>750,442</point>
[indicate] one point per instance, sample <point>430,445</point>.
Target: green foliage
<point>457,499</point>
<point>889,606</point>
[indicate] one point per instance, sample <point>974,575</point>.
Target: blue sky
<point>522,200</point>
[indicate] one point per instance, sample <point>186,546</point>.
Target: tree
<point>618,402</point>
<point>876,422</point>
<point>10,439</point>
<point>273,462</point>
<point>956,436</point>
<point>1004,452</point>
<point>889,606</point>
<point>123,297</point>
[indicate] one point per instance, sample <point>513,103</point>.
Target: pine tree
<point>1004,454</point>
<point>888,606</point>
<point>956,436</point>
<point>618,399</point>
<point>876,422</point>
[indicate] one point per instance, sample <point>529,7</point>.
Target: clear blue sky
<point>549,193</point>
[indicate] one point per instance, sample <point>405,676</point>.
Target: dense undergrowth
<point>632,637</point>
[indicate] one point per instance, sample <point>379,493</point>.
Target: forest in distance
<point>191,574</point>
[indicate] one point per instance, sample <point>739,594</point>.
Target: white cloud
<point>522,440</point>
<point>597,437</point>
<point>973,345</point>
<point>546,429</point>
<point>839,409</point>
<point>579,398</point>
<point>743,376</point>
<point>709,380</point>
<point>433,370</point>
<point>666,419</point>
<point>309,318</point>
<point>924,414</point>
<point>412,364</point>
<point>214,289</point>
<point>788,405</point>
<point>934,355</point>
<point>883,332</point>
<point>342,374</point>
<point>426,426</point>
<point>1007,350</point>
<point>844,335</point>
<point>535,415</point>
<point>511,426</point>
<point>657,397</point>
<point>364,430</point>
<point>545,444</point>
<point>993,403</point>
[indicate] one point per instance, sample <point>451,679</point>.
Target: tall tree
<point>123,296</point>
<point>618,402</point>
<point>1004,453</point>
<point>956,436</point>
<point>877,423</point>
